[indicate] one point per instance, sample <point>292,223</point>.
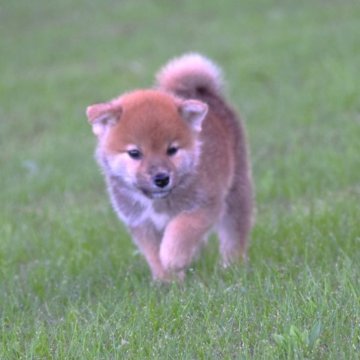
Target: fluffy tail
<point>190,75</point>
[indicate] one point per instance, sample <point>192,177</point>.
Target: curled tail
<point>190,75</point>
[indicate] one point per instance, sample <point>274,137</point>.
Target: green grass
<point>72,285</point>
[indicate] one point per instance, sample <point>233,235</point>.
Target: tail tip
<point>190,69</point>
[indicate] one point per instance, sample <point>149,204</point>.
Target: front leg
<point>182,239</point>
<point>148,239</point>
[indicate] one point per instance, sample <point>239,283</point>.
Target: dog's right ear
<point>102,116</point>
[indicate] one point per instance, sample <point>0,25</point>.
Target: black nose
<point>161,180</point>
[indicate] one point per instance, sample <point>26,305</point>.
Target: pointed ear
<point>102,116</point>
<point>194,112</point>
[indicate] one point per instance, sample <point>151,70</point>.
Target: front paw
<point>174,260</point>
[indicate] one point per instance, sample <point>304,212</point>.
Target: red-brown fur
<point>208,178</point>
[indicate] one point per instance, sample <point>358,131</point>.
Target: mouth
<point>156,194</point>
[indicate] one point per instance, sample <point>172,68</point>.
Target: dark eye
<point>135,154</point>
<point>172,150</point>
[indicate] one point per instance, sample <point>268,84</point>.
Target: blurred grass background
<point>71,283</point>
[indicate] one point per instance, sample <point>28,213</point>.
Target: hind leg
<point>235,225</point>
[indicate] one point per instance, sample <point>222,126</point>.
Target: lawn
<point>72,285</point>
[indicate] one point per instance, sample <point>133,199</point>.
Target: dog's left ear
<point>194,113</point>
<point>102,116</point>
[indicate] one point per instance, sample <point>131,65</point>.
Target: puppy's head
<point>149,139</point>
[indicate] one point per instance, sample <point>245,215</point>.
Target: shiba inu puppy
<point>176,166</point>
